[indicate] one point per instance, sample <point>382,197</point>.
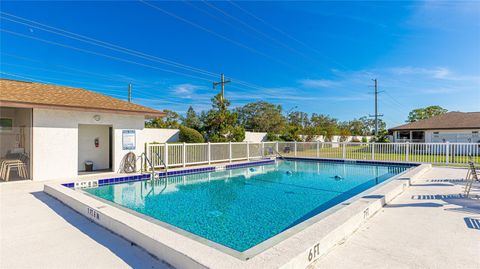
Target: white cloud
<point>438,72</point>
<point>318,83</point>
<point>186,89</point>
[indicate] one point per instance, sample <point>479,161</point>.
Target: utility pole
<point>222,82</point>
<point>129,92</point>
<point>376,107</point>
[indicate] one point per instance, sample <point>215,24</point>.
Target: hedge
<point>189,135</point>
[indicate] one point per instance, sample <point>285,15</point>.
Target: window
<point>6,124</point>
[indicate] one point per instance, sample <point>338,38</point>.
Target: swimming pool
<point>242,207</point>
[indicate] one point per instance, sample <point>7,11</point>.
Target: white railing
<point>183,154</point>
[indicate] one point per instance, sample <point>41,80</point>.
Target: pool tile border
<point>407,164</point>
<point>116,180</point>
<point>298,250</point>
<point>240,165</point>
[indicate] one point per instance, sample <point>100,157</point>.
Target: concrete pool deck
<point>427,226</point>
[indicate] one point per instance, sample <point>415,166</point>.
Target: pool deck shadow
<point>414,205</point>
<point>116,244</point>
<point>472,223</point>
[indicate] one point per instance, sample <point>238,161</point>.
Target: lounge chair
<point>19,164</point>
<point>472,176</point>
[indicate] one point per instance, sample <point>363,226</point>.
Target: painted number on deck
<point>93,213</point>
<point>366,213</point>
<point>314,252</point>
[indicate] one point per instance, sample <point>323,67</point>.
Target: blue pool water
<point>243,207</point>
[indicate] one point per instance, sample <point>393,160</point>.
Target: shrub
<point>272,137</point>
<point>190,135</point>
<point>364,139</point>
<point>355,140</point>
<point>382,137</point>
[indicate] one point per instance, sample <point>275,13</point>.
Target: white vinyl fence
<point>183,154</point>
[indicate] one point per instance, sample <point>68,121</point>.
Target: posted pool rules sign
<point>128,139</point>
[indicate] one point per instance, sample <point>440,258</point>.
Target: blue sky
<point>319,56</point>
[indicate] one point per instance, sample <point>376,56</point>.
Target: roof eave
<point>148,114</point>
<point>442,128</point>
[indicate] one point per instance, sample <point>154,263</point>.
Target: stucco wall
<point>160,135</point>
<point>262,137</point>
<point>87,151</point>
<point>458,136</point>
<point>255,137</point>
<point>55,140</point>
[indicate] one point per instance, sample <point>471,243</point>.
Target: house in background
<point>53,130</point>
<point>460,127</point>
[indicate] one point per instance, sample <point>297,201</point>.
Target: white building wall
<point>88,151</point>
<point>453,136</point>
<point>255,137</point>
<point>338,138</point>
<point>55,140</point>
<point>262,137</point>
<point>160,135</point>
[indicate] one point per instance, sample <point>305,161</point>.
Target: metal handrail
<point>161,161</point>
<point>278,153</point>
<point>148,162</point>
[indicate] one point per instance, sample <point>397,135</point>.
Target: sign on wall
<point>128,139</point>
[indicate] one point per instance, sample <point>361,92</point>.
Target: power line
<point>319,53</point>
<point>24,77</point>
<point>61,72</point>
<point>77,71</point>
<point>395,100</point>
<point>51,80</point>
<point>101,54</point>
<point>214,33</point>
<point>117,48</point>
<point>253,28</point>
<point>211,15</point>
<point>104,44</point>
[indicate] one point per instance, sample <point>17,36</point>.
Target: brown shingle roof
<point>450,120</point>
<point>29,94</point>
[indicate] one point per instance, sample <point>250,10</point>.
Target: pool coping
<point>301,247</point>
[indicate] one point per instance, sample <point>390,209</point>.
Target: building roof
<point>29,94</point>
<point>450,120</point>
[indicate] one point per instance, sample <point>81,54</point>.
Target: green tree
<point>170,121</point>
<point>261,116</point>
<point>425,113</point>
<point>382,137</point>
<point>221,124</point>
<point>291,133</point>
<point>190,135</point>
<point>191,120</point>
<point>298,119</point>
<point>364,126</point>
<point>357,127</point>
<point>324,125</point>
<point>369,125</point>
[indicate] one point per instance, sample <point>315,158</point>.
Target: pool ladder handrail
<point>278,153</point>
<point>147,161</point>
<point>283,158</point>
<point>162,162</point>
<point>152,167</point>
